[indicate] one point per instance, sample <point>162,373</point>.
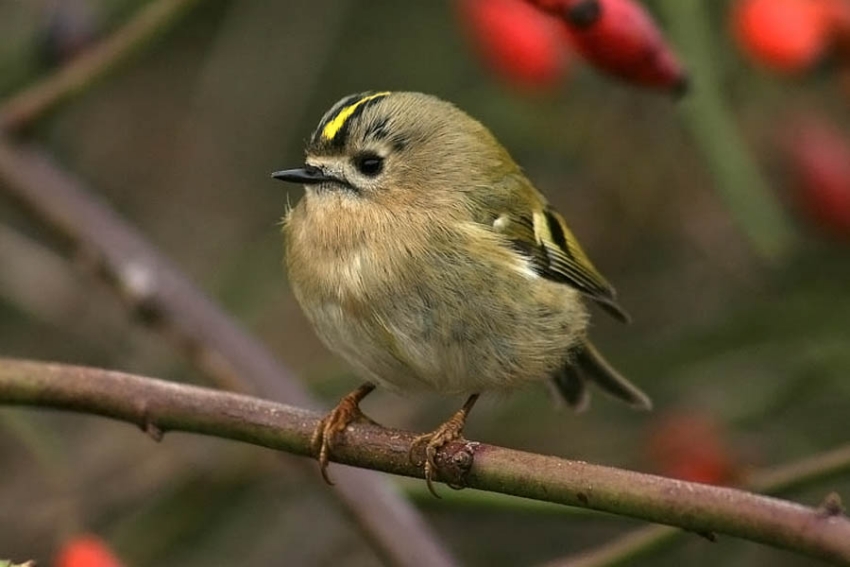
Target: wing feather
<point>555,254</point>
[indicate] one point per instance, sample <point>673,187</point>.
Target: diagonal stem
<point>78,75</point>
<point>738,180</point>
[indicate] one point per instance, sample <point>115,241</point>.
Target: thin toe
<point>323,465</point>
<point>429,479</point>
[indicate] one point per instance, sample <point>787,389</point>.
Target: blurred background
<point>723,219</point>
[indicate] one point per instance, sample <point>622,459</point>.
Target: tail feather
<point>588,364</point>
<point>571,385</point>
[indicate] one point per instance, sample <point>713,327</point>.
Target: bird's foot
<point>329,429</point>
<point>433,442</point>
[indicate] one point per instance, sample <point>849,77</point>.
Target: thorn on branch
<point>153,430</point>
<point>146,423</point>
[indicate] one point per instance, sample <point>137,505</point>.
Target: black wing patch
<point>555,254</point>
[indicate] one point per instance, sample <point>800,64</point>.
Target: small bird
<point>426,259</point>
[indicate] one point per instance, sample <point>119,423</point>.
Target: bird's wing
<point>542,235</point>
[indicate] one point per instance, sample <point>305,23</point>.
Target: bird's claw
<point>331,426</point>
<point>433,442</point>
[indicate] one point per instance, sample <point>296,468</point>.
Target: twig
<point>644,541</point>
<point>162,297</point>
<point>801,473</point>
<point>629,547</point>
<point>158,406</point>
<point>152,19</point>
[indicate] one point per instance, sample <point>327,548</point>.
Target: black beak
<point>306,175</point>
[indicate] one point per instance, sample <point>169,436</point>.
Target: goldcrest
<point>426,259</point>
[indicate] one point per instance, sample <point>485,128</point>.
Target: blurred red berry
<point>689,446</point>
<point>819,156</point>
<point>517,41</point>
<point>86,551</point>
<point>621,38</point>
<point>788,36</point>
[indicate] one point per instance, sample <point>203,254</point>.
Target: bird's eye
<point>369,164</point>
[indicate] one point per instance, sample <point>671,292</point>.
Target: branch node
<point>831,506</point>
<point>455,461</point>
<point>137,284</point>
<point>137,280</point>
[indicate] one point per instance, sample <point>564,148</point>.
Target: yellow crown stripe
<point>332,127</point>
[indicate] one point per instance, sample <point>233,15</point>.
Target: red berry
<point>518,42</point>
<point>689,446</point>
<point>86,551</point>
<point>819,155</point>
<point>788,36</point>
<point>621,38</point>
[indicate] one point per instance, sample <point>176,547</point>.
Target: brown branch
<point>645,541</point>
<point>27,105</point>
<point>777,480</point>
<point>163,298</point>
<point>158,406</point>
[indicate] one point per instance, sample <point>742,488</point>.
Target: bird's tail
<point>588,364</point>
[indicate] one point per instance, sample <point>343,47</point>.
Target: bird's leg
<point>334,423</point>
<point>451,430</point>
